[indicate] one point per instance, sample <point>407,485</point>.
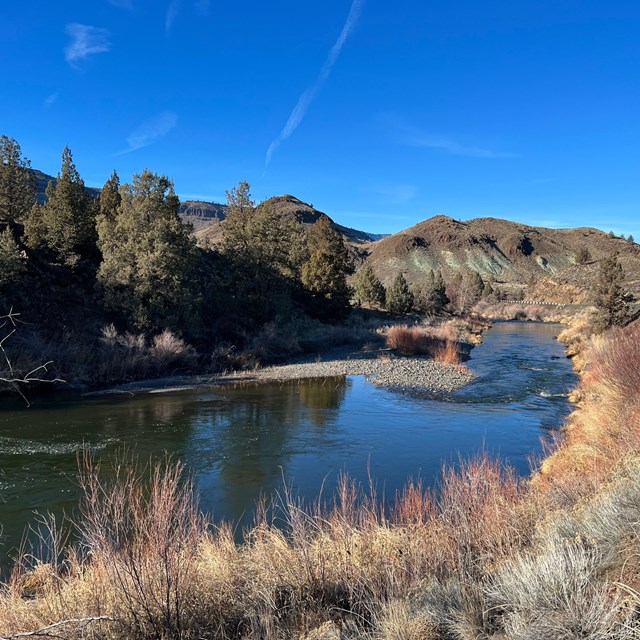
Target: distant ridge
<point>504,252</point>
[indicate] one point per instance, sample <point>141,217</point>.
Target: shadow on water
<point>242,441</point>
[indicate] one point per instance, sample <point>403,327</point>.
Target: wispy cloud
<point>170,16</point>
<point>85,41</point>
<point>307,96</point>
<point>412,137</point>
<point>122,4</point>
<point>202,6</point>
<point>150,130</point>
<point>397,193</point>
<point>50,99</point>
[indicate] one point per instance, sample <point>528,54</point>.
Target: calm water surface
<point>239,442</point>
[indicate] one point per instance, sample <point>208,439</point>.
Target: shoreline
<point>405,374</point>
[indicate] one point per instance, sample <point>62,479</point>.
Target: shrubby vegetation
<point>125,259</point>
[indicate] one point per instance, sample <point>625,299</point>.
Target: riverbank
<point>383,366</point>
<point>487,554</point>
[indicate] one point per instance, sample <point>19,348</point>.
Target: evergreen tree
<point>630,239</point>
<point>609,296</point>
<point>438,299</point>
<point>237,236</point>
<point>324,275</point>
<point>11,262</point>
<point>108,206</point>
<point>65,223</point>
<point>148,258</point>
<point>399,296</point>
<point>265,249</point>
<point>17,185</point>
<point>367,287</point>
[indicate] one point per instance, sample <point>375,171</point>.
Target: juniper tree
<point>324,275</point>
<point>65,223</point>
<point>17,185</point>
<point>265,249</point>
<point>11,262</point>
<point>148,257</point>
<point>611,300</point>
<point>399,296</point>
<point>367,287</point>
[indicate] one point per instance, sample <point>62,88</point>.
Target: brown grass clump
<point>408,340</point>
<point>434,341</point>
<point>447,353</point>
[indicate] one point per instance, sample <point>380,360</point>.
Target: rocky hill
<point>211,233</point>
<point>509,254</point>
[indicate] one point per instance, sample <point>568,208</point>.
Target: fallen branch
<point>44,632</point>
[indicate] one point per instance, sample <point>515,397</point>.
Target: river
<point>239,442</point>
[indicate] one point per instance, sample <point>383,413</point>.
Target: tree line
<point>126,257</point>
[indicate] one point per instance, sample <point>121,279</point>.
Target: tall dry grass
<point>433,341</point>
<point>146,566</point>
<point>606,426</point>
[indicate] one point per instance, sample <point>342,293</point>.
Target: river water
<point>239,442</point>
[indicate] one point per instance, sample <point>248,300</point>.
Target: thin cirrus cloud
<point>170,16</point>
<point>50,99</point>
<point>86,41</point>
<point>150,130</point>
<point>397,193</point>
<point>305,100</point>
<point>412,137</point>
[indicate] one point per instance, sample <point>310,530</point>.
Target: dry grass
<point>146,560</point>
<point>408,340</point>
<point>438,341</point>
<point>485,554</point>
<point>606,426</point>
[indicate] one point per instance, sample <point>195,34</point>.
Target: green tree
<point>108,205</point>
<point>265,249</point>
<point>148,258</point>
<point>399,296</point>
<point>11,262</point>
<point>237,235</point>
<point>611,300</point>
<point>65,223</point>
<point>324,275</point>
<point>630,239</point>
<point>17,185</point>
<point>367,287</point>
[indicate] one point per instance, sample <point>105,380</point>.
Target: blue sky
<point>381,114</point>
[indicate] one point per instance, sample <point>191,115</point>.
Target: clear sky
<point>380,113</point>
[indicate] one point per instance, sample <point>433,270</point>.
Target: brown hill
<point>306,214</point>
<point>509,254</point>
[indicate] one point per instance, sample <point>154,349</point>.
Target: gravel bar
<point>404,374</point>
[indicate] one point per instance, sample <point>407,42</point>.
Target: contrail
<point>307,96</point>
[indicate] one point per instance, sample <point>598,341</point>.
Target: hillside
<point>509,254</point>
<point>211,232</point>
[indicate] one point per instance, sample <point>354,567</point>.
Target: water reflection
<point>243,447</point>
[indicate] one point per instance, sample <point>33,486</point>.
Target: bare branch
<point>44,632</point>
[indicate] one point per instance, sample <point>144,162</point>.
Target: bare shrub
<point>142,536</point>
<point>170,353</point>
